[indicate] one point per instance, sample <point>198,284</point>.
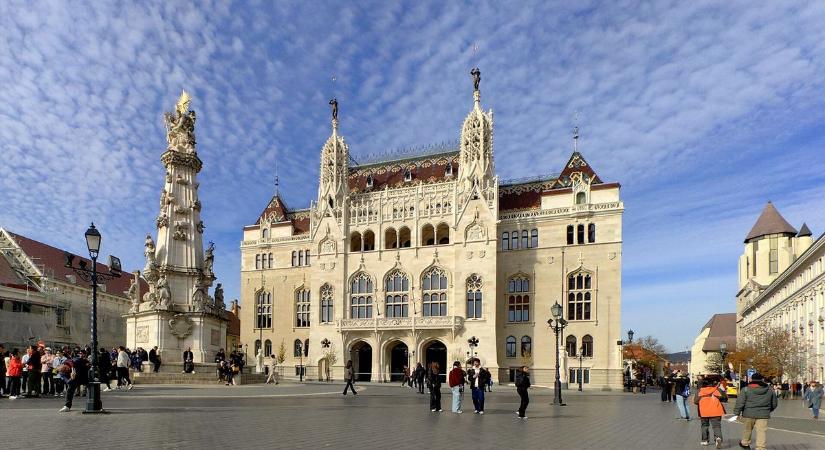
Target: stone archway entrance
<point>361,355</point>
<point>436,351</point>
<point>398,359</point>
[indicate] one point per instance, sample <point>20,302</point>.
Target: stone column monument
<point>177,312</point>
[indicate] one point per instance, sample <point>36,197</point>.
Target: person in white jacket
<point>123,368</point>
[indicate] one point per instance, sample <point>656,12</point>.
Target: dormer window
<point>449,170</point>
<point>407,175</point>
<point>369,181</point>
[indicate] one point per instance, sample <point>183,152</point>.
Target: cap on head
<point>757,376</point>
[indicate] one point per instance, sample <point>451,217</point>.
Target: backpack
<point>686,391</point>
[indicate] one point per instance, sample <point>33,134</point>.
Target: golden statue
<point>183,103</point>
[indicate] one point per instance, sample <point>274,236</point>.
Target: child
<point>708,402</point>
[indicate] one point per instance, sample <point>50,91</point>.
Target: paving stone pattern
<point>382,417</point>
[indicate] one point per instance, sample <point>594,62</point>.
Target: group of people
<point>477,377</point>
<point>227,368</point>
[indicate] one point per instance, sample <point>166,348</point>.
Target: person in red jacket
<point>708,402</point>
<point>456,380</point>
<point>15,371</point>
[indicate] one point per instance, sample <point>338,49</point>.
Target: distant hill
<point>678,357</point>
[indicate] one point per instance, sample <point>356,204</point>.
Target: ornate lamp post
<point>301,363</point>
<point>630,336</point>
<point>581,370</point>
<point>723,351</point>
<point>473,343</point>
<point>557,326</point>
<point>93,238</point>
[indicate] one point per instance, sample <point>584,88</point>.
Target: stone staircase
<point>204,374</point>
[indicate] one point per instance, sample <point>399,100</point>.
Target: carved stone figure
<point>199,300</point>
<point>200,227</point>
<point>259,361</point>
<point>209,258</point>
<point>219,303</point>
<point>162,221</point>
<point>180,126</point>
<point>149,253</point>
<point>164,295</point>
<point>476,77</point>
<point>134,297</point>
<point>162,198</point>
<point>334,104</point>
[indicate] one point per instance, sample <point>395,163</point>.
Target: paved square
<point>381,416</point>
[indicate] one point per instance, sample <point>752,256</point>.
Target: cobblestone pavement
<point>292,416</point>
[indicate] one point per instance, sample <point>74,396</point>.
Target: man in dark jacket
<point>478,377</point>
<point>754,406</point>
<point>154,358</point>
<point>522,384</point>
<point>682,384</point>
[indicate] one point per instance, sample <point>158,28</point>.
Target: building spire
<point>334,105</point>
<point>576,132</point>
<point>277,181</point>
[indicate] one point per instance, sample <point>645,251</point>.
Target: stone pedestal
<point>174,332</point>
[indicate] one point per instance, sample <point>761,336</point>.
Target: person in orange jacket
<point>15,371</point>
<point>709,406</point>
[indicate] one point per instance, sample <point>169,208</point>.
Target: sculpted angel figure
<point>219,297</point>
<point>133,296</point>
<point>164,295</point>
<point>209,258</point>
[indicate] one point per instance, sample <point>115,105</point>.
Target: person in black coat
<point>154,358</point>
<point>434,381</point>
<point>188,361</point>
<point>522,384</point>
<point>420,375</point>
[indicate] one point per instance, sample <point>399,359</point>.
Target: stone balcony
<point>453,323</point>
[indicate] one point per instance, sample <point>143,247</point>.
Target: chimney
<point>234,307</point>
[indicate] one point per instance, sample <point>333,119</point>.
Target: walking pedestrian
<point>434,381</point>
<point>813,399</point>
<point>456,380</point>
<point>754,406</point>
<point>273,370</point>
<point>154,358</point>
<point>682,385</point>
<point>349,375</point>
<point>15,373</point>
<point>478,378</point>
<point>33,365</point>
<point>420,374</point>
<point>710,410</point>
<point>522,384</point>
<point>123,368</point>
<point>406,374</point>
<point>76,373</point>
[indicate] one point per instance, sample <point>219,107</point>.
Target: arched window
<point>581,198</point>
<point>525,239</point>
<point>397,287</point>
<point>534,238</point>
<point>514,240</point>
<point>570,346</point>
<point>518,301</point>
<point>302,308</point>
<point>404,239</point>
<point>298,348</point>
<point>263,309</point>
<point>427,235</point>
<point>326,303</point>
<point>294,259</point>
<point>300,258</point>
<point>306,257</point>
<point>257,346</point>
<point>587,346</point>
<point>570,235</point>
<point>306,347</point>
<point>580,234</point>
<point>354,243</point>
<point>369,241</point>
<point>407,175</point>
<point>265,233</point>
<point>505,241</point>
<point>579,297</point>
<point>361,297</point>
<point>434,285</point>
<point>526,346</point>
<point>369,181</point>
<point>267,348</point>
<point>258,261</point>
<point>271,260</point>
<point>474,306</point>
<point>442,234</point>
<point>510,348</point>
<point>591,232</point>
<point>390,238</point>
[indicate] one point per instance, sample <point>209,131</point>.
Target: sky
<point>703,111</point>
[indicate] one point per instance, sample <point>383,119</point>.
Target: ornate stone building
<point>405,258</point>
<point>782,284</point>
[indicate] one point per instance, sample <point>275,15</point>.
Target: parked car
<point>732,390</point>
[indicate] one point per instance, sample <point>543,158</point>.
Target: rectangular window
<point>774,255</point>
<point>576,376</point>
<point>525,239</point>
<point>534,238</point>
<point>505,241</point>
<point>306,257</point>
<point>514,240</point>
<point>60,317</point>
<point>258,261</point>
<point>755,249</point>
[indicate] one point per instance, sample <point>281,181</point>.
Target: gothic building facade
<point>429,257</point>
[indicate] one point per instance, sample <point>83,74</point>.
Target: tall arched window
<point>270,261</point>
<point>580,234</point>
<point>442,234</point>
<point>263,309</point>
<point>581,198</point>
<point>510,348</point>
<point>355,244</point>
<point>302,308</point>
<point>434,285</point>
<point>505,241</point>
<point>427,235</point>
<point>518,301</point>
<point>298,348</point>
<point>306,347</point>
<point>294,259</point>
<point>579,295</point>
<point>526,346</point>
<point>360,300</point>
<point>474,305</point>
<point>258,261</point>
<point>591,232</point>
<point>265,233</point>
<point>390,238</point>
<point>570,346</point>
<point>306,257</point>
<point>300,258</point>
<point>326,303</point>
<point>587,346</point>
<point>397,287</point>
<point>267,348</point>
<point>404,237</point>
<point>514,240</point>
<point>570,235</point>
<point>534,238</point>
<point>525,239</point>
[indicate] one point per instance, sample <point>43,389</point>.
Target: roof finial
<point>576,132</point>
<point>334,104</point>
<point>476,74</point>
<point>277,181</point>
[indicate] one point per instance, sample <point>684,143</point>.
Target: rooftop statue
<point>334,104</point>
<point>180,126</point>
<point>476,77</point>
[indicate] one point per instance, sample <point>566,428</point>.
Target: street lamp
<point>581,370</point>
<point>301,363</point>
<point>473,343</point>
<point>93,238</point>
<point>723,352</point>
<point>557,326</point>
<point>630,336</point>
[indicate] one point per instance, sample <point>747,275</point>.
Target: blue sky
<point>702,110</point>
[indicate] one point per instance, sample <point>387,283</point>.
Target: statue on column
<point>476,77</point>
<point>334,104</point>
<point>219,304</point>
<point>134,296</point>
<point>149,252</point>
<point>164,295</point>
<point>180,126</point>
<point>209,259</point>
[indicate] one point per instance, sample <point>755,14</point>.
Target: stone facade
<point>405,258</point>
<point>782,284</point>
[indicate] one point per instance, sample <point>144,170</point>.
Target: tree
<point>281,356</point>
<point>652,344</point>
<point>330,358</point>
<point>772,351</point>
<point>527,358</point>
<point>714,363</point>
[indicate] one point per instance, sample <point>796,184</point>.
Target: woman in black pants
<point>522,384</point>
<point>434,380</point>
<point>349,374</point>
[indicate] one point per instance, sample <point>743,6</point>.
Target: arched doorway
<point>398,359</point>
<point>436,351</point>
<point>361,356</point>
<point>323,370</point>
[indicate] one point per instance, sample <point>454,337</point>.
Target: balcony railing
<point>402,323</point>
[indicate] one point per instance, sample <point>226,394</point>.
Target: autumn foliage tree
<point>772,351</point>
